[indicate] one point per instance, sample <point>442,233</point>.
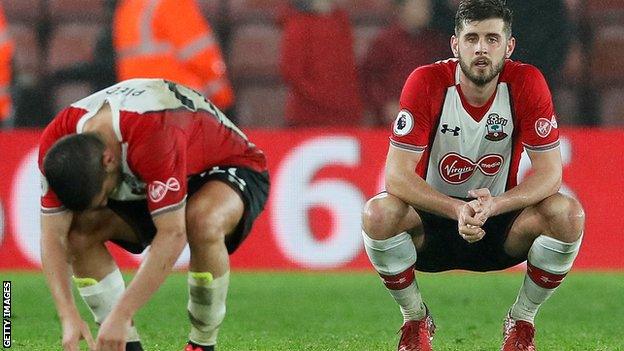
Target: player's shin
<point>548,262</point>
<point>394,260</point>
<point>102,296</point>
<point>206,306</point>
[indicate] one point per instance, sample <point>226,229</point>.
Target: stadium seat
<point>211,9</point>
<point>261,105</point>
<point>606,53</point>
<point>255,11</point>
<point>62,11</point>
<point>368,11</point>
<point>29,11</point>
<point>612,106</point>
<point>72,43</point>
<point>255,52</point>
<point>567,105</point>
<point>364,37</point>
<point>604,11</point>
<point>65,94</point>
<point>27,54</point>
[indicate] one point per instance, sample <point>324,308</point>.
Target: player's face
<point>482,47</point>
<point>108,186</point>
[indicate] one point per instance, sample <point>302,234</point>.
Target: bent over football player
<point>144,162</point>
<point>452,198</point>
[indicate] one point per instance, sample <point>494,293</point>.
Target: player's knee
<point>79,241</point>
<point>564,217</point>
<point>206,228</point>
<point>381,216</point>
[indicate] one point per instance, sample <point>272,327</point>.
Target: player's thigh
<point>385,216</point>
<point>527,226</point>
<point>98,226</point>
<point>213,212</point>
<point>558,216</point>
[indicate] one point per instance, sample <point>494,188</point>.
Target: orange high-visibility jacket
<point>6,54</point>
<point>170,39</point>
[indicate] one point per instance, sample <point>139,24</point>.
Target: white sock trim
<point>391,256</point>
<point>552,255</point>
<point>100,298</point>
<point>112,281</point>
<point>387,244</point>
<point>223,280</point>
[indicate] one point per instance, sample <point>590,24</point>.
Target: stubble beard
<point>481,80</point>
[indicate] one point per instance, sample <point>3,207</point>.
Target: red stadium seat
<point>364,37</point>
<point>30,11</point>
<point>61,11</point>
<point>606,53</point>
<point>72,43</point>
<point>612,106</point>
<point>65,94</point>
<point>255,52</point>
<point>597,9</point>
<point>368,11</point>
<point>27,54</point>
<point>261,105</point>
<point>211,9</point>
<point>255,10</point>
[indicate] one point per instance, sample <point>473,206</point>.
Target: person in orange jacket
<point>170,39</point>
<point>6,55</point>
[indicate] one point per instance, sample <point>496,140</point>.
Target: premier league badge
<point>495,127</point>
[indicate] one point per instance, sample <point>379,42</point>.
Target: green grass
<point>350,311</point>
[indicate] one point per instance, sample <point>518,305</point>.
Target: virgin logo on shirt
<point>456,169</point>
<point>157,190</point>
<point>544,126</point>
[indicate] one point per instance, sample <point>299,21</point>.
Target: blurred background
<point>63,50</point>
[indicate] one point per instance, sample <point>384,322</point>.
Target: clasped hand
<point>473,214</point>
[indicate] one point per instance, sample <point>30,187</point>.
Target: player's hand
<point>74,330</point>
<point>468,225</point>
<point>486,206</point>
<point>112,335</point>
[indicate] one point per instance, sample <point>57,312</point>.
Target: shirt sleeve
<point>50,203</point>
<point>411,128</point>
<point>539,130</point>
<point>160,161</point>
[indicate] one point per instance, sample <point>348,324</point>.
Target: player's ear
<point>511,45</point>
<point>455,46</point>
<point>108,160</point>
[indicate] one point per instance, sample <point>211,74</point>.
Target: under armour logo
<point>445,129</point>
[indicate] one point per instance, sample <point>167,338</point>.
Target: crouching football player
<point>144,162</point>
<point>453,200</point>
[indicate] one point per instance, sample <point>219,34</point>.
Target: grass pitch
<point>349,311</point>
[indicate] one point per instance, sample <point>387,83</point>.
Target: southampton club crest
<point>495,127</point>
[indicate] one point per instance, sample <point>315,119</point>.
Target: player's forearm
<point>535,188</point>
<point>57,271</point>
<point>163,253</point>
<point>412,189</point>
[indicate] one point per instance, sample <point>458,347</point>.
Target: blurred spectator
<point>170,39</point>
<point>543,32</point>
<point>6,55</point>
<point>408,43</point>
<point>318,65</point>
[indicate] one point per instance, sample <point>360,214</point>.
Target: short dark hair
<point>479,10</point>
<point>74,170</point>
